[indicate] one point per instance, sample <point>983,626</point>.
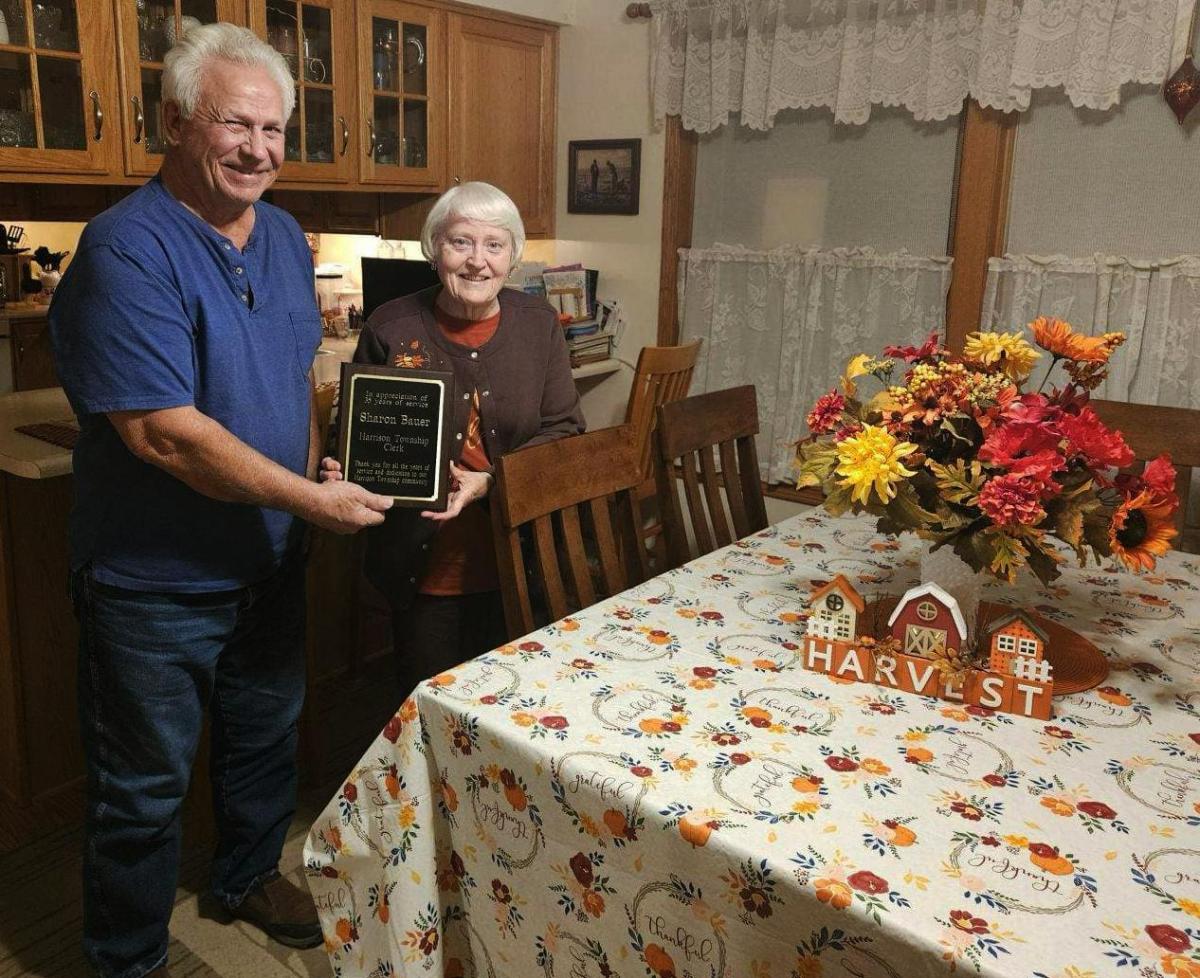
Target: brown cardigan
<point>527,396</point>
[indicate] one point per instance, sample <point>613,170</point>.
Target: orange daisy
<point>1141,531</point>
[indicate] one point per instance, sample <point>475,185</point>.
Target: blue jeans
<point>150,664</point>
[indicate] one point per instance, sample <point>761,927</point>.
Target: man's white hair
<point>185,63</point>
<point>473,201</point>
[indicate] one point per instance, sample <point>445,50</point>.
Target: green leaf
<point>958,482</point>
<point>1006,554</point>
<point>837,499</point>
<point>1095,531</point>
<point>816,462</point>
<point>906,510</point>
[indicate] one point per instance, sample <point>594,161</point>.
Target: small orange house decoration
<point>927,623</point>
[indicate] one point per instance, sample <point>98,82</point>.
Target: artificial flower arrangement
<point>958,451</point>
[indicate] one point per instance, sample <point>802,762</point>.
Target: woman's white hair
<point>474,201</point>
<point>185,63</point>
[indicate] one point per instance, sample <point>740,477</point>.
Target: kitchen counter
<point>23,455</point>
<point>20,310</point>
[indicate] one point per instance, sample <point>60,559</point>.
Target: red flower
<point>531,646</point>
<point>1023,449</point>
<point>670,726</point>
<point>641,771</point>
<point>964,920</point>
<point>1195,737</point>
<point>1097,809</point>
<point>582,663</point>
<point>488,700</point>
<point>1169,938</point>
<point>1011,500</point>
<point>711,615</point>
<point>1058,732</point>
<point>739,758</point>
<point>1101,448</point>
<point>704,672</point>
<point>868,882</point>
<point>990,840</point>
<point>349,791</point>
<point>995,780</point>
<point>911,353</point>
<point>1159,476</point>
<point>825,413</point>
<point>723,739</point>
<point>393,728</point>
<point>841,764</point>
<point>330,872</point>
<point>500,892</point>
<point>759,722</point>
<point>1043,850</point>
<point>554,722</point>
<point>885,708</point>
<point>980,711</point>
<point>967,811</point>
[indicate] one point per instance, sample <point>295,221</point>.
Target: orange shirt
<point>462,559</point>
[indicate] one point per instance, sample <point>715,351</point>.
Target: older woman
<point>509,359</point>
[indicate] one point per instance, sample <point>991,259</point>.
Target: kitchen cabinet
<point>32,355</point>
<point>146,29</point>
<point>58,92</point>
<point>402,93</point>
<point>502,111</point>
<point>316,39</point>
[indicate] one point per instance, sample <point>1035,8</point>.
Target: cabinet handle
<point>97,113</point>
<point>371,138</point>
<point>458,180</point>
<point>139,119</point>
<point>345,134</point>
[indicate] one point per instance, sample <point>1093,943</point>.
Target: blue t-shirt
<point>159,310</point>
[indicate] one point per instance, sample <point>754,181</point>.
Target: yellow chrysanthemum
<point>1014,354</point>
<point>872,458</point>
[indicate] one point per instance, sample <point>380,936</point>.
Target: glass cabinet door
<point>147,29</point>
<point>55,87</point>
<point>314,37</point>
<point>400,71</point>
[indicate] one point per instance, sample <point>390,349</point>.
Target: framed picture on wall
<point>603,176</point>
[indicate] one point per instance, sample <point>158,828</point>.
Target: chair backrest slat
<point>581,576</point>
<point>712,495</point>
<point>727,421</point>
<point>543,488</point>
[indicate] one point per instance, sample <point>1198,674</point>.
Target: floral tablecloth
<point>656,787</point>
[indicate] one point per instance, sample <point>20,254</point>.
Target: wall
<point>604,93</point>
<point>55,235</point>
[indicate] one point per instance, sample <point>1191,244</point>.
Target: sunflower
<point>1141,531</point>
<point>1010,350</point>
<point>872,458</point>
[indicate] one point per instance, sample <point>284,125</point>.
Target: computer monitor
<point>384,279</point>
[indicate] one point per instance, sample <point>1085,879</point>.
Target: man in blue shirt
<point>184,332</point>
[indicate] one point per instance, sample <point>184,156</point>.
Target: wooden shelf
<point>597,369</point>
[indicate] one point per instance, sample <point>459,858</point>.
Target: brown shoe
<point>283,911</point>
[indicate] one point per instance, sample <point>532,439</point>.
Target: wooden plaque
<point>394,432</point>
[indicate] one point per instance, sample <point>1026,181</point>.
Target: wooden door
<point>316,39</point>
<point>146,29</point>
<point>402,93</point>
<point>58,91</point>
<point>502,112</point>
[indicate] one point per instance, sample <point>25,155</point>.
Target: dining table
<point>656,786</point>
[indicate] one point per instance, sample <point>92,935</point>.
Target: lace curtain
<point>710,58</point>
<point>1155,303</point>
<point>788,321</point>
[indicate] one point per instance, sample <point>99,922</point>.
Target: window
<point>926,611</point>
<point>834,602</point>
<point>1027,646</point>
<point>1006,643</point>
<point>843,629</point>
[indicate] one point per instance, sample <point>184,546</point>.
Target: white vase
<point>956,577</point>
<point>50,281</point>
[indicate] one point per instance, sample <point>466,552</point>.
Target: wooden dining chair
<point>689,432</point>
<point>663,375</point>
<point>1151,430</point>
<point>577,496</point>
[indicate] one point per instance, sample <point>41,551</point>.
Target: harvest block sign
<point>924,652</point>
